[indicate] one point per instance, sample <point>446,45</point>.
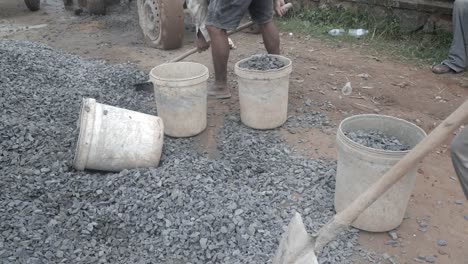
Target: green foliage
<point>385,34</point>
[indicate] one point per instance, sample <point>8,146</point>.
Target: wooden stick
<point>195,50</point>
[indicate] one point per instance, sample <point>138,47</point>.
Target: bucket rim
<point>287,66</point>
<point>83,144</point>
<point>205,72</point>
<point>341,134</point>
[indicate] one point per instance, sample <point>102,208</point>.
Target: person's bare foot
<point>219,91</point>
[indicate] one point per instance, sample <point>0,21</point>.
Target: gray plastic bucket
<point>180,90</point>
<point>263,95</point>
<point>360,166</point>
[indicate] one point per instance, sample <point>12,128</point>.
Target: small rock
<point>459,202</point>
<point>466,217</point>
<point>430,259</point>
<point>391,242</point>
<point>160,215</point>
<point>49,255</point>
<point>364,76</point>
<point>441,243</point>
<point>203,242</point>
<point>238,212</point>
<point>422,224</point>
<point>441,252</point>
<point>393,235</point>
<point>34,261</point>
<point>423,229</point>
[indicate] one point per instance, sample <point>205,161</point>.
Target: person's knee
<point>215,30</point>
<point>265,25</point>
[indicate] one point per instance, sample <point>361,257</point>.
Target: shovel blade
<point>296,246</point>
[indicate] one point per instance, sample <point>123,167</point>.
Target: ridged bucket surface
<point>263,95</point>
<point>113,139</point>
<point>180,90</point>
<point>359,167</point>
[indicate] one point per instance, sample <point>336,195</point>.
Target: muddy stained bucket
<point>180,90</point>
<point>360,166</point>
<point>113,139</point>
<point>263,95</point>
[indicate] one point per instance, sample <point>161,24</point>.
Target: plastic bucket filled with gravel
<point>368,146</point>
<point>263,90</point>
<point>180,90</point>
<point>113,139</point>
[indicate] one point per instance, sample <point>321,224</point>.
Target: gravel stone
<point>262,62</point>
<point>430,259</point>
<point>377,140</point>
<point>308,117</point>
<point>459,202</point>
<point>393,235</point>
<point>393,243</point>
<point>466,217</point>
<point>441,243</point>
<point>423,224</point>
<point>184,211</point>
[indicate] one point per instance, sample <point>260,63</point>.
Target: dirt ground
<point>380,85</point>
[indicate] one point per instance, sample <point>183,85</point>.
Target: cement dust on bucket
<point>114,139</point>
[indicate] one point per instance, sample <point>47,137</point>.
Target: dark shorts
<point>227,14</point>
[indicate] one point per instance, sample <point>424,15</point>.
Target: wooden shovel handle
<point>184,55</point>
<point>429,143</point>
<point>195,50</point>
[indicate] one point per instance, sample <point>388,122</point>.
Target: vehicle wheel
<point>162,23</point>
<point>33,5</point>
<point>96,7</point>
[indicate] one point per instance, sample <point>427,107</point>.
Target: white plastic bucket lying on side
<point>360,166</point>
<point>263,95</point>
<point>180,90</point>
<point>113,139</point>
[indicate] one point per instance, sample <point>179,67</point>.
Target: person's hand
<point>201,42</point>
<point>279,7</point>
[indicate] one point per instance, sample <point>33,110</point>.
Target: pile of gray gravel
<point>189,210</point>
<point>377,140</point>
<point>262,62</point>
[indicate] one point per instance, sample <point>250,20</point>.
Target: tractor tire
<point>33,5</point>
<point>96,7</point>
<point>162,23</point>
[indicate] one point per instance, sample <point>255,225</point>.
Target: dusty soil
<point>380,85</point>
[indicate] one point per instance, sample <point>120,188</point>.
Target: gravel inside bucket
<point>262,62</point>
<point>191,209</point>
<point>377,140</point>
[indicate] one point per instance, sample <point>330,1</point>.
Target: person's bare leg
<point>270,37</point>
<point>220,53</point>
